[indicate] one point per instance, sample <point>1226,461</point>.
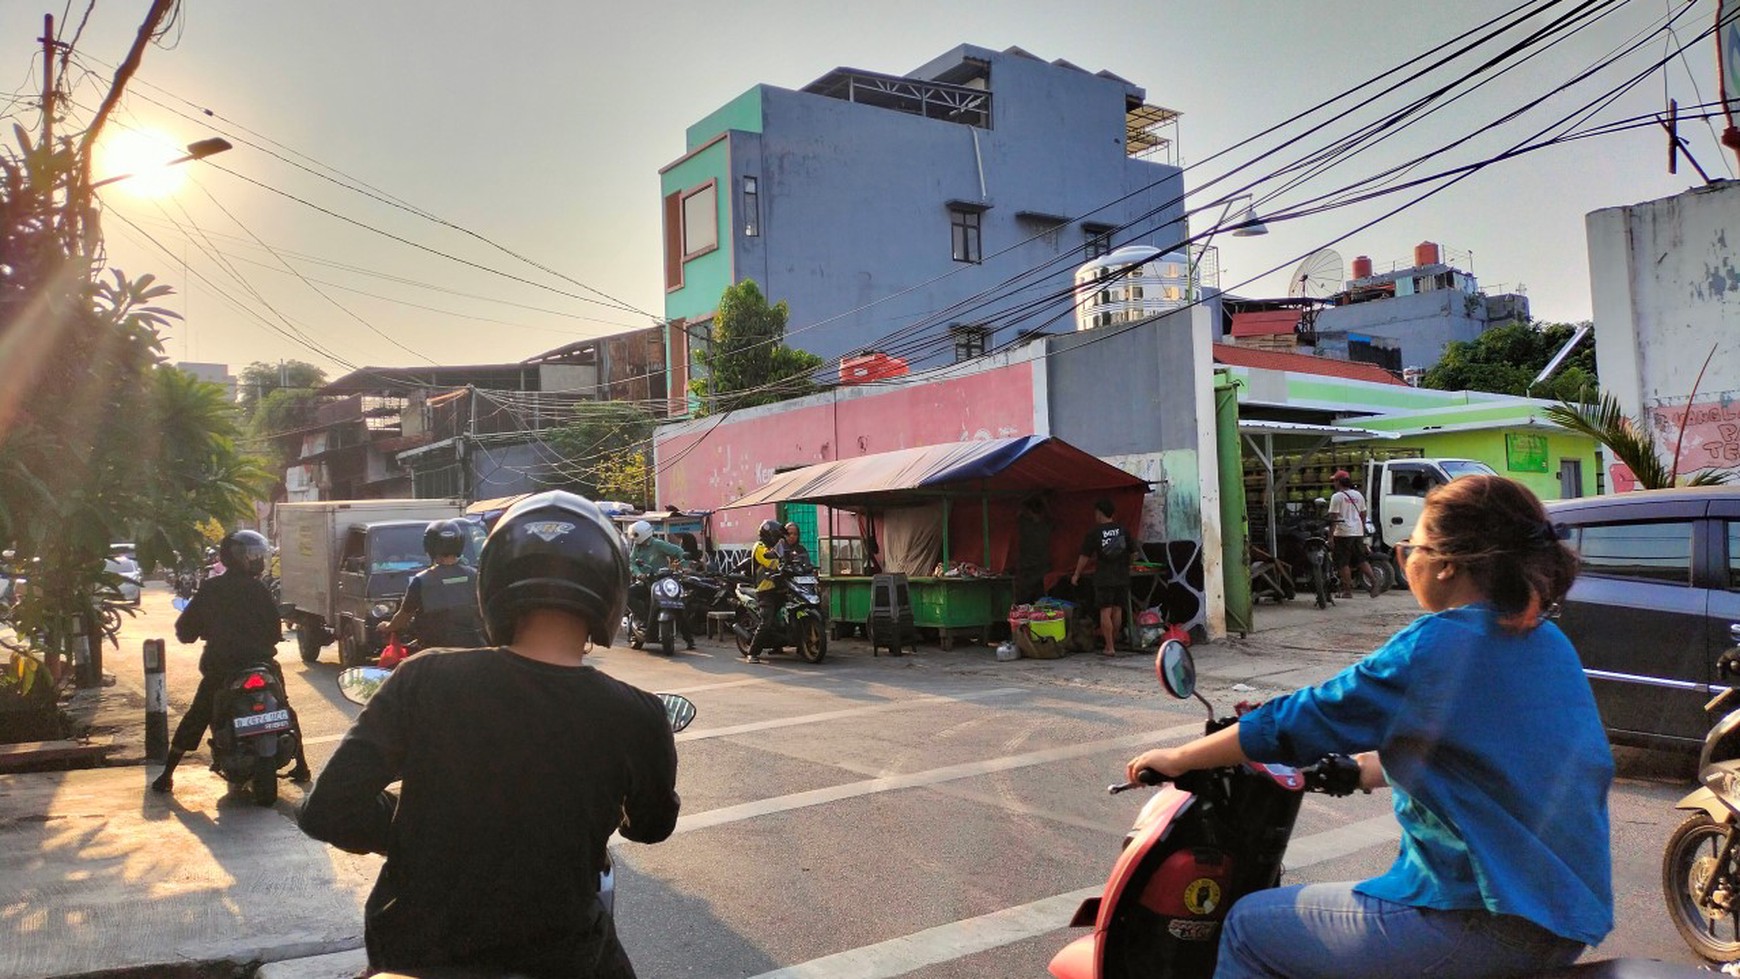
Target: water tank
<point>1362,266</point>
<point>1426,253</point>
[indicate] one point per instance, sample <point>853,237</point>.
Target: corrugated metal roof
<point>1275,360</point>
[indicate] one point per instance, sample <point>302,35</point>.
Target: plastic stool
<point>890,615</point>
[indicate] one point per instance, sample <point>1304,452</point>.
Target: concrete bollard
<point>156,703</point>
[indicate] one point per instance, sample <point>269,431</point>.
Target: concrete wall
<point>1666,289</point>
<point>853,204</point>
<point>1424,323</point>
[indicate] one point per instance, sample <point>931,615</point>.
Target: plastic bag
<point>394,653</point>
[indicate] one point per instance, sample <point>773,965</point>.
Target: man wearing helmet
<point>517,763</point>
<point>440,605</point>
<point>646,555</point>
<point>764,561</point>
<point>235,615</point>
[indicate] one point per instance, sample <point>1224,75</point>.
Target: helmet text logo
<point>549,530</point>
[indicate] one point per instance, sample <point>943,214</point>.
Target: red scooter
<point>1203,841</point>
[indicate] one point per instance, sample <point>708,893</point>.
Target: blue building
<point>881,207</point>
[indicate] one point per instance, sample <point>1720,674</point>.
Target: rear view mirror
<point>679,710</point>
<point>179,603</point>
<point>1176,669</point>
<point>360,683</point>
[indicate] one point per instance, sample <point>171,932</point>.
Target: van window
<point>1734,555</point>
<point>1646,551</point>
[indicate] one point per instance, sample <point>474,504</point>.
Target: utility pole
<point>47,80</point>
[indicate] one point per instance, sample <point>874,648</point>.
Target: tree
<point>605,448</point>
<point>259,381</point>
<point>1505,359</point>
<point>749,363</point>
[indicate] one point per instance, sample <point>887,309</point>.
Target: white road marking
<point>779,722</point>
<point>958,939</point>
<point>948,773</point>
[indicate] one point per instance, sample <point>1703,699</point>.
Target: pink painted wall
<point>1712,433</point>
<point>719,462</point>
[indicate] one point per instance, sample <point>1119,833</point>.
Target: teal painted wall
<point>705,277</point>
<point>741,113</point>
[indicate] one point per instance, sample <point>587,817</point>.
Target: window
<point>970,341</point>
<point>964,228</point>
<point>1099,240</point>
<point>751,208</point>
<point>1734,555</point>
<point>700,220</point>
<point>1646,551</point>
<point>1105,297</point>
<point>1135,292</point>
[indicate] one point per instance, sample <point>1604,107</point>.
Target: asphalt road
<point>932,816</point>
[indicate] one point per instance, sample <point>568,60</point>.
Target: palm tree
<point>1630,443</point>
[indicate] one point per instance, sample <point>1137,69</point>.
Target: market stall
<point>946,517</point>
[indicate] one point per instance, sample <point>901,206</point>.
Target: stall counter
<point>954,607</point>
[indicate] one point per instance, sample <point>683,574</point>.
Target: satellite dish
<point>1321,274</point>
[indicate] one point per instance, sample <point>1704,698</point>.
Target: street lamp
<point>1249,225</point>
<point>198,150</point>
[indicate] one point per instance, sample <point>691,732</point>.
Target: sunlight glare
<point>143,155</point>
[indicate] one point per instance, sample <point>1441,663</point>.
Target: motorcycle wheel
<point>264,782</point>
<point>1320,584</point>
<point>743,629</point>
<point>812,641</point>
<point>668,637</point>
<point>1712,930</point>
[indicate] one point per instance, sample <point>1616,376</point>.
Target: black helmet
<point>444,538</point>
<point>244,551</point>
<point>552,550</point>
<point>771,532</point>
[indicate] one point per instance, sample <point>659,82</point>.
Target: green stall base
<point>954,607</point>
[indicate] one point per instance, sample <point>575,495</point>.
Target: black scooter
<point>253,732</point>
<point>655,619</point>
<point>1700,866</point>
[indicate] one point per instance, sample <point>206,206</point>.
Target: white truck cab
<point>1396,491</point>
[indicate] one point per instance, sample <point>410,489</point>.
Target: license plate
<point>806,579</point>
<point>272,720</point>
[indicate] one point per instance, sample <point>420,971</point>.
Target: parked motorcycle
<point>360,683</point>
<point>704,594</point>
<point>656,619</point>
<point>802,623</point>
<point>253,733</point>
<point>1203,841</point>
<point>1700,867</point>
<point>1304,541</point>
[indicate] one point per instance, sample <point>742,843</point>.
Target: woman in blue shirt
<point>1478,716</point>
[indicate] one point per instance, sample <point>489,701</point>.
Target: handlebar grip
<point>1332,775</point>
<point>1144,776</point>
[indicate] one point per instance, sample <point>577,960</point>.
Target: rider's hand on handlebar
<point>1166,761</point>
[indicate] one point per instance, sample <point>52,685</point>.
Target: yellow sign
<point>1202,896</point>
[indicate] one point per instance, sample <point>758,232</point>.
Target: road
<point>933,816</point>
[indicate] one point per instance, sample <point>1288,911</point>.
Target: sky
<point>532,134</point>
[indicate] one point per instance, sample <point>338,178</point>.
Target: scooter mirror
<point>179,603</point>
<point>679,710</point>
<point>1175,669</point>
<point>360,683</point>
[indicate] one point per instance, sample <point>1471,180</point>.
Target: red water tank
<point>1362,266</point>
<point>1426,253</point>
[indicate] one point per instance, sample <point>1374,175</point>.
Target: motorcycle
<point>253,733</point>
<point>1305,546</point>
<point>801,622</point>
<point>1203,841</point>
<point>1700,867</point>
<point>359,684</point>
<point>658,622</point>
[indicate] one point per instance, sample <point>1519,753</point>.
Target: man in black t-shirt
<point>516,764</point>
<point>1108,546</point>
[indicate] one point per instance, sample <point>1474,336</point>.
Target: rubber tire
<point>745,622</point>
<point>263,784</point>
<point>1682,851</point>
<point>308,640</point>
<point>812,639</point>
<point>1320,584</point>
<point>668,637</point>
<point>348,653</point>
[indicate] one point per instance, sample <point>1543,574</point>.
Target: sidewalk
<point>98,873</point>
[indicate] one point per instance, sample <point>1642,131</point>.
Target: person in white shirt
<point>1347,509</point>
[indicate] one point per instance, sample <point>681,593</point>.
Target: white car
<point>132,582</point>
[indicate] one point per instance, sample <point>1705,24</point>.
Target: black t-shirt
<point>236,617</point>
<point>1109,545</point>
<point>515,774</point>
<point>443,603</point>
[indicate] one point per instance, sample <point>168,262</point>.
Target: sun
<point>143,156</point>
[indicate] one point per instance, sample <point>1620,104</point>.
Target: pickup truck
<point>344,566</point>
<point>1396,489</point>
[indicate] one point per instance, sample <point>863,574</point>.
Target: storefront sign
<point>1525,453</point>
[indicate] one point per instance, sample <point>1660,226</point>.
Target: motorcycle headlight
<point>668,587</point>
<point>384,610</point>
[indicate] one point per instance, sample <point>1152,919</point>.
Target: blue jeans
<point>1328,930</point>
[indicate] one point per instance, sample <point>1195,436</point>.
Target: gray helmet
<point>444,538</point>
<point>245,551</point>
<point>553,550</point>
